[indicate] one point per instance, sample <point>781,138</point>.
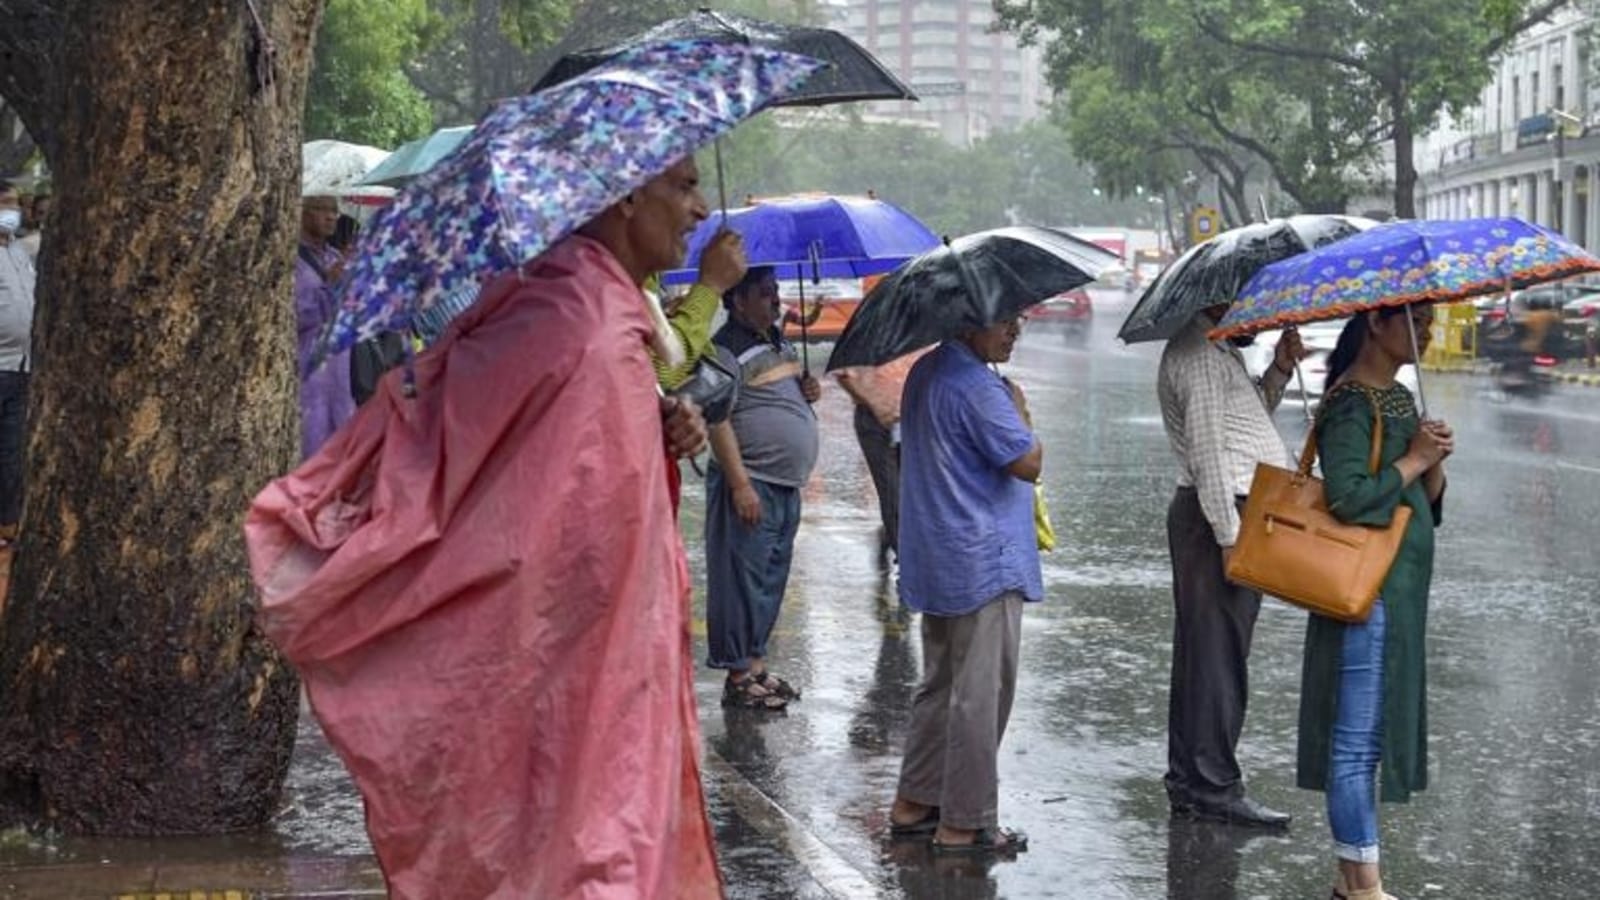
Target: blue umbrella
<point>1400,263</point>
<point>416,157</point>
<point>538,167</point>
<point>849,236</point>
<point>1403,262</point>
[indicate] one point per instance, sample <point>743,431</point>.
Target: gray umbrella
<point>1213,272</point>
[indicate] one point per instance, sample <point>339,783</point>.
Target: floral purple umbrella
<point>538,167</point>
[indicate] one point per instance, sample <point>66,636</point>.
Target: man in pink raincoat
<point>486,593</point>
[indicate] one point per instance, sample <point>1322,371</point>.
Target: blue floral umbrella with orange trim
<point>1404,262</point>
<point>1401,263</point>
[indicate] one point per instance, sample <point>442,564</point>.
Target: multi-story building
<point>971,79</point>
<point>1531,147</point>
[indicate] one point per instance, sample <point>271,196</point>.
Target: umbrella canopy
<point>413,158</point>
<point>336,168</point>
<point>849,236</point>
<point>854,74</point>
<point>538,167</point>
<point>1398,263</point>
<point>973,282</point>
<point>1214,271</point>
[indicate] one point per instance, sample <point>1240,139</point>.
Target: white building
<point>1531,148</point>
<point>971,80</point>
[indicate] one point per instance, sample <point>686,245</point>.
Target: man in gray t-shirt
<point>762,456</point>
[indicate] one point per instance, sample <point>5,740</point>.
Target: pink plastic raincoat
<point>485,591</point>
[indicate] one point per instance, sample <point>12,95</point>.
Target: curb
<point>1579,378</point>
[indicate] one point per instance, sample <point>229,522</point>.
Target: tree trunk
<point>1405,165</point>
<point>139,696</point>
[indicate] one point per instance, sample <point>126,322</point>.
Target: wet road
<point>1514,669</point>
<point>800,801</point>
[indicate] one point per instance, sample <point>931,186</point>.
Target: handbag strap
<point>1308,456</point>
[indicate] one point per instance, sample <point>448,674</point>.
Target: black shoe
<point>1238,811</point>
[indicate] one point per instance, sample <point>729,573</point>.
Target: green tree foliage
<point>359,91</point>
<point>1310,88</point>
<point>1023,176</point>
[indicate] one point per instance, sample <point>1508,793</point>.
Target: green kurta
<point>1356,495</point>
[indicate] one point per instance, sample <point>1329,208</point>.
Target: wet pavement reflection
<point>800,800</point>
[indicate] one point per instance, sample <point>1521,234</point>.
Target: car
<point>1580,320</point>
<point>1071,313</point>
<point>1319,339</point>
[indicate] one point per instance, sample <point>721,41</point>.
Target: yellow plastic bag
<point>1041,520</point>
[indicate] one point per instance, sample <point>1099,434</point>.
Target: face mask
<point>10,220</point>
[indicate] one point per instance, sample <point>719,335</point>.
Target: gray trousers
<point>1214,622</point>
<point>883,461</point>
<point>959,714</point>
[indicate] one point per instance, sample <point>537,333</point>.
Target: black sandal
<point>987,840</point>
<point>749,693</point>
<point>922,827</point>
<point>778,686</point>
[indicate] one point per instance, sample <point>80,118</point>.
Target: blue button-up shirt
<point>966,524</point>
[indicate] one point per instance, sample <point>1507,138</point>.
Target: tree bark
<point>139,696</point>
<point>1405,164</point>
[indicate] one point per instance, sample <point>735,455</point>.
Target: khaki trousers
<point>959,714</point>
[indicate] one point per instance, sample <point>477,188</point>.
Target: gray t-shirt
<point>776,427</point>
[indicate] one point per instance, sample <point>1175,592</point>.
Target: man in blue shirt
<point>969,559</point>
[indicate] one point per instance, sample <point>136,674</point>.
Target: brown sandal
<point>777,685</point>
<point>749,693</point>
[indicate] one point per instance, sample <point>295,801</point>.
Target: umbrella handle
<point>1305,399</point>
<point>722,188</point>
<point>1416,354</point>
<point>805,342</point>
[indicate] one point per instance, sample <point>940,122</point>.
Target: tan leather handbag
<point>1291,547</point>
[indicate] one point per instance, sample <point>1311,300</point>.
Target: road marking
<point>824,864</point>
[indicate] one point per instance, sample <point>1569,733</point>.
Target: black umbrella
<point>1215,271</point>
<point>970,282</point>
<point>854,74</point>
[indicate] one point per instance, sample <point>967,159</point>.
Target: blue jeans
<point>1358,742</point>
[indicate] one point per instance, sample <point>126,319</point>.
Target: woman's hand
<point>1444,436</point>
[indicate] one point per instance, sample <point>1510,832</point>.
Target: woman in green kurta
<point>1363,695</point>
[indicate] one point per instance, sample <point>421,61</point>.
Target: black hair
<point>7,187</point>
<point>752,277</point>
<point>345,233</point>
<point>1351,340</point>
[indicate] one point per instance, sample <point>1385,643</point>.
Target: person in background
<point>876,392</point>
<point>1363,697</point>
<point>36,213</point>
<point>1219,422</point>
<point>326,400</point>
<point>969,560</point>
<point>722,266</point>
<point>16,340</point>
<point>762,456</point>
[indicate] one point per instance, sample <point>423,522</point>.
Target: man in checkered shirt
<point>1219,420</point>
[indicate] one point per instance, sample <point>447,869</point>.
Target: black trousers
<point>883,461</point>
<point>13,440</point>
<point>1211,635</point>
